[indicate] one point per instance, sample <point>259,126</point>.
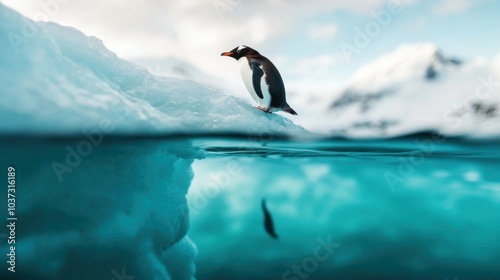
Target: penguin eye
<point>238,50</point>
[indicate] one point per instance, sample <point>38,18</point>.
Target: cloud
<point>169,26</point>
<point>194,30</point>
<point>323,32</point>
<point>446,7</point>
<point>316,66</point>
<point>420,25</point>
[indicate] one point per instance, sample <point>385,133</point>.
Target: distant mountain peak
<point>417,87</point>
<point>409,61</point>
<point>383,76</point>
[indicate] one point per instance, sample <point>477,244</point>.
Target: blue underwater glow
<point>422,207</point>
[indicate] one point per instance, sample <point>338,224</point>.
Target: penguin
<point>262,79</point>
<point>268,221</point>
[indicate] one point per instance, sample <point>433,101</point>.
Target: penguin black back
<point>268,221</point>
<point>273,79</point>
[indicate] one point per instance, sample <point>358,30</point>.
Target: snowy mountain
<point>383,77</point>
<point>417,88</point>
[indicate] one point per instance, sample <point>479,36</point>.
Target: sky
<point>313,43</point>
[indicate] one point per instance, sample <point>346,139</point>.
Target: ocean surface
<point>416,207</point>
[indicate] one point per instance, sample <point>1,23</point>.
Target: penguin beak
<point>226,54</point>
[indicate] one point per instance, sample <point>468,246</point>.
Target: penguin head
<point>240,52</point>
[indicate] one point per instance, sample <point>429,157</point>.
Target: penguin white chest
<point>247,76</point>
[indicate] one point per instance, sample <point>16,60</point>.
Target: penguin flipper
<point>257,74</point>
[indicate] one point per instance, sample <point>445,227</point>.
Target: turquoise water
<point>418,207</point>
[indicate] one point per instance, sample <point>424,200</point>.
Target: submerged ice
<point>123,206</point>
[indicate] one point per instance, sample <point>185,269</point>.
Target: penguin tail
<point>289,110</point>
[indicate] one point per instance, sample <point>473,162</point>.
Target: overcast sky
<point>307,40</point>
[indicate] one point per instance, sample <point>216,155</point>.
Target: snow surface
<point>57,80</point>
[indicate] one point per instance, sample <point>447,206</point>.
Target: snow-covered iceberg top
<point>57,80</point>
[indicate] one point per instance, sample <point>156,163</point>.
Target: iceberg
<point>91,204</point>
<point>52,71</point>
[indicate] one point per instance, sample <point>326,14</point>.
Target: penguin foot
<point>263,109</point>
